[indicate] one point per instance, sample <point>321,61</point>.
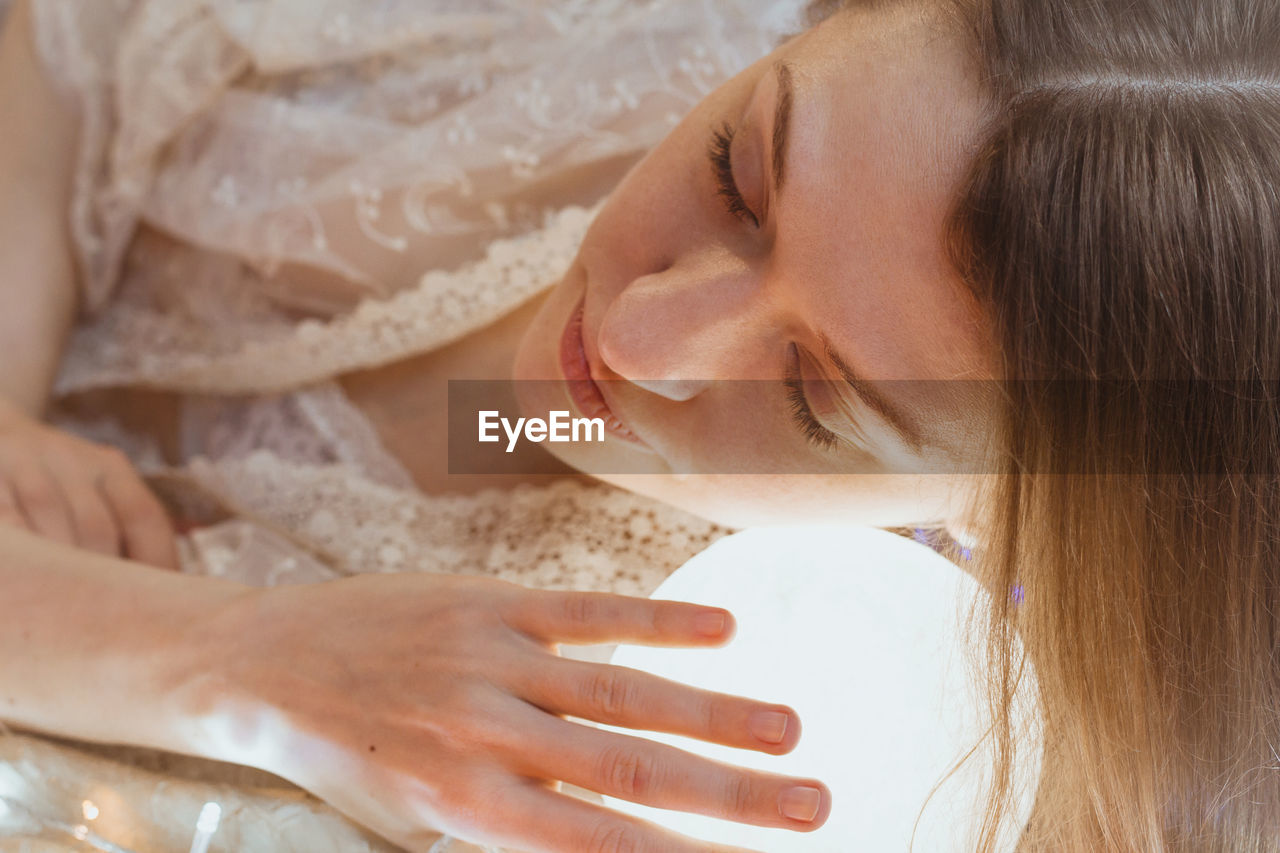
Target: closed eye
<point>801,412</point>
<point>719,153</point>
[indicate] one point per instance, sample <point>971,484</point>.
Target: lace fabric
<point>338,137</point>
<point>221,334</point>
<point>271,193</point>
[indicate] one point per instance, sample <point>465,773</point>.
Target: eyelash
<point>816,434</point>
<point>722,166</point>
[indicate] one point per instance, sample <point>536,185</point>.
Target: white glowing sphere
<point>859,630</point>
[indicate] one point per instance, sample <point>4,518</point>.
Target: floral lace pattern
<point>270,193</point>
<point>369,140</point>
<point>249,348</point>
<point>568,535</point>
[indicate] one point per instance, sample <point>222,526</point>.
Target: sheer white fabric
<point>228,125</point>
<point>271,193</point>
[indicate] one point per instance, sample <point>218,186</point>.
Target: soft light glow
<point>858,630</point>
<point>81,832</point>
<point>90,810</point>
<point>12,788</point>
<point>206,826</point>
<point>254,737</point>
<point>210,817</point>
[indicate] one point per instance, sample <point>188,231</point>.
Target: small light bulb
<point>81,832</point>
<point>206,826</point>
<point>90,810</point>
<point>210,817</point>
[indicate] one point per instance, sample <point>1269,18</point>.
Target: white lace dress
<point>272,193</point>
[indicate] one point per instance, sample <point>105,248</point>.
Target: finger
<point>145,526</point>
<point>596,617</point>
<point>41,502</point>
<point>92,520</point>
<point>642,771</point>
<point>535,820</point>
<point>10,513</point>
<point>632,699</point>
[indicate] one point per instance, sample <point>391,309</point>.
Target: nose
<point>675,331</point>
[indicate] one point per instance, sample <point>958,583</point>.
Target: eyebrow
<point>907,428</point>
<point>781,124</point>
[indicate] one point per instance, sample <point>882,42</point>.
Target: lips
<point>583,390</point>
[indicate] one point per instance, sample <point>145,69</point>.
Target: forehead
<point>885,117</point>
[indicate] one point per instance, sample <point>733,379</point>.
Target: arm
<point>92,646</point>
<point>37,275</point>
<point>413,703</point>
<point>51,483</point>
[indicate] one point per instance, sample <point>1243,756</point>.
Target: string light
<point>206,826</point>
<point>90,810</point>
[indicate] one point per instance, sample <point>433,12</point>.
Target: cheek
<point>641,225</point>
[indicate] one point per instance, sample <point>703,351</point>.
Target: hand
<point>72,491</point>
<point>418,704</point>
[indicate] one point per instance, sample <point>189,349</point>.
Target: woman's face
<point>786,239</point>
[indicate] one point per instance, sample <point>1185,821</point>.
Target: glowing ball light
<point>858,630</point>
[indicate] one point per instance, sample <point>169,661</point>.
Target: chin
<point>754,500</point>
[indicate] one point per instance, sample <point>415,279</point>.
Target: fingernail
<point>709,624</point>
<point>769,726</point>
<point>800,803</point>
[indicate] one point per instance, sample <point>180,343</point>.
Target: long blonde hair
<point>1120,224</point>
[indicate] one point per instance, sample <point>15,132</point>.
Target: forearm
<point>101,649</point>
<point>38,289</point>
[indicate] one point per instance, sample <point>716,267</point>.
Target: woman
<point>143,139</point>
<point>1067,204</point>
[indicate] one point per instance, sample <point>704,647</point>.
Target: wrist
<point>186,670</point>
<point>211,685</point>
